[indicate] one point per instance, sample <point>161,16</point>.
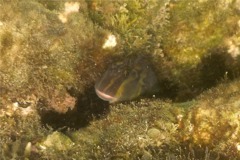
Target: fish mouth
<point>105,96</point>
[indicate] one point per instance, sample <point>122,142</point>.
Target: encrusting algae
<point>172,66</point>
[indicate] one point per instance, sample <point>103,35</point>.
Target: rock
<point>58,141</point>
<point>154,133</point>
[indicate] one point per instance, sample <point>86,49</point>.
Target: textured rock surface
<point>53,52</point>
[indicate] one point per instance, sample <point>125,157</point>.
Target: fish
<point>127,80</point>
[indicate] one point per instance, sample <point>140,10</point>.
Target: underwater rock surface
<point>205,127</point>
<point>53,52</point>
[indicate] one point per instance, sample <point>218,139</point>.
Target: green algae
<point>135,21</point>
<point>201,26</point>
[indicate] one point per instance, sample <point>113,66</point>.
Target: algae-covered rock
<point>214,120</point>
<point>52,53</point>
<point>140,130</point>
<point>40,54</point>
<point>57,141</point>
<point>20,128</point>
<point>204,128</point>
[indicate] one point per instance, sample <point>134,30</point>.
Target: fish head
<point>126,81</point>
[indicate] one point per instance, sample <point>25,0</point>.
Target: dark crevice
<point>217,66</point>
<point>88,107</point>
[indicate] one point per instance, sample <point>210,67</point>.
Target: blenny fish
<point>127,80</point>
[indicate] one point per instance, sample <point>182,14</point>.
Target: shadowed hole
<point>88,107</point>
<point>211,71</point>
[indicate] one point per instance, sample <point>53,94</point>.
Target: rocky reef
<point>52,53</point>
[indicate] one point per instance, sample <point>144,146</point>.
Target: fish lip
<point>105,96</point>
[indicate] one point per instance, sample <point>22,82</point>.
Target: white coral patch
<point>233,49</point>
<point>110,42</point>
<point>70,7</point>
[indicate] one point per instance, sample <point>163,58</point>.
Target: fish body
<point>126,81</point>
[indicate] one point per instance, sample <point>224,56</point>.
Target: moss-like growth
<point>20,129</point>
<point>51,55</point>
<point>195,27</point>
<point>214,120</point>
<point>138,23</point>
